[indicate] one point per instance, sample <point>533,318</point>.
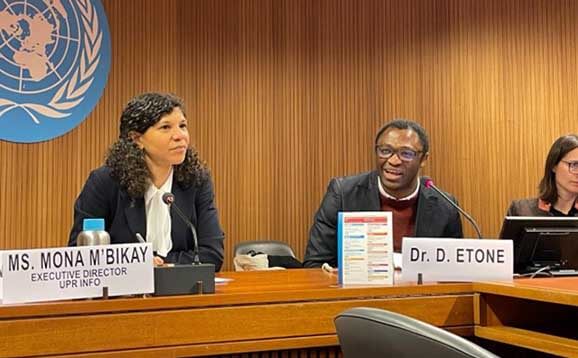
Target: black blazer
<point>435,217</point>
<point>534,207</point>
<point>124,216</point>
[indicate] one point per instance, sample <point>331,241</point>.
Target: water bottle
<point>92,233</point>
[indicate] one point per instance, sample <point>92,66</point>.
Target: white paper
<point>222,279</point>
<point>397,260</point>
<point>1,279</point>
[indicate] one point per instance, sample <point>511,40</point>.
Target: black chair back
<point>269,247</point>
<point>373,333</point>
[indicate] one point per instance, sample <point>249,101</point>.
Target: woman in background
<point>558,189</point>
<point>151,157</point>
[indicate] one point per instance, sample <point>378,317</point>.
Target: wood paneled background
<point>283,95</point>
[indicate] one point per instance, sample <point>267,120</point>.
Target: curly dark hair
<point>127,161</point>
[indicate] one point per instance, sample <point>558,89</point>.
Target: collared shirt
<point>403,210</point>
<point>389,196</point>
<point>159,217</point>
<point>545,206</point>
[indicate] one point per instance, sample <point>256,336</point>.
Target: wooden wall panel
<point>283,95</point>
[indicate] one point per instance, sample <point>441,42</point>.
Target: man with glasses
<point>401,150</point>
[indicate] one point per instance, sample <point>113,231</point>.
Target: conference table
<point>285,311</point>
<point>539,314</point>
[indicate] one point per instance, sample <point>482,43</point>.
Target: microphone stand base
<point>184,279</point>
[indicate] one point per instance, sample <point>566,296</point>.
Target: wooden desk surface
<point>560,290</point>
<point>279,310</point>
<point>255,311</point>
<point>254,287</point>
<point>538,314</point>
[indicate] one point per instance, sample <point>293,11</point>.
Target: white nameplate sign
<point>75,272</point>
<point>365,248</point>
<point>463,260</point>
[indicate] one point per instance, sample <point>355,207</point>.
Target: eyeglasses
<point>572,166</point>
<point>404,154</point>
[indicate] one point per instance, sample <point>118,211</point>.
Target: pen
<point>140,238</point>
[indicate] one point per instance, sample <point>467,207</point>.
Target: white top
<point>384,193</point>
<point>159,217</point>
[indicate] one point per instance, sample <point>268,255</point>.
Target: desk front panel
<point>538,314</point>
<point>253,312</point>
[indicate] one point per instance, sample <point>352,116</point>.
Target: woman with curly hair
<point>151,157</point>
<point>558,190</point>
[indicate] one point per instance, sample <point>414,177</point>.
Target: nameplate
<point>462,260</point>
<point>75,272</point>
<point>365,248</point>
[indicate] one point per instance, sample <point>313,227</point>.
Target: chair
<point>370,332</point>
<point>268,247</point>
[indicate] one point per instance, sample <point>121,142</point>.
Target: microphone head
<point>168,198</point>
<point>428,182</point>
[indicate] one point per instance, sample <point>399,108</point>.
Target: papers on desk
<point>222,279</point>
<point>1,279</point>
<point>365,248</point>
<point>397,260</point>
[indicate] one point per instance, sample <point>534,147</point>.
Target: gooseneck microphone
<point>169,199</point>
<point>429,184</point>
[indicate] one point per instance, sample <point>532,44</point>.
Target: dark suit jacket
<point>435,217</point>
<point>124,216</point>
<point>527,207</point>
<point>530,207</point>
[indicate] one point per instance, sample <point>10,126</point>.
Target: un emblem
<point>54,63</point>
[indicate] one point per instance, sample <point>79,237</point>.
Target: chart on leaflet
<point>365,247</point>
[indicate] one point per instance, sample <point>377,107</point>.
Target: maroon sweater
<point>403,213</point>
